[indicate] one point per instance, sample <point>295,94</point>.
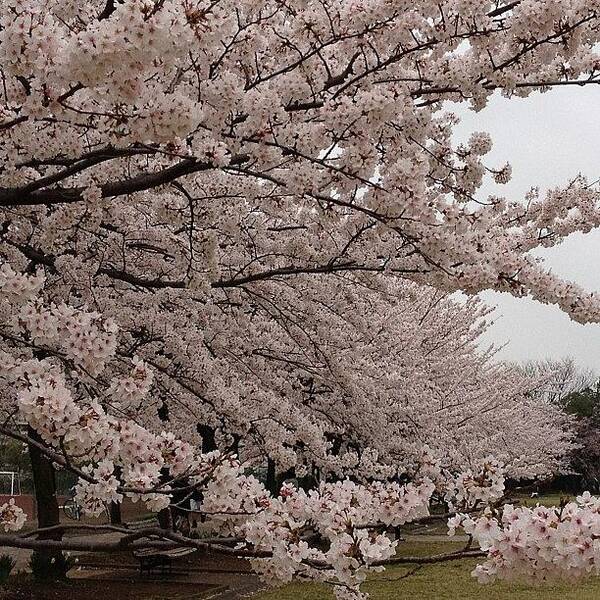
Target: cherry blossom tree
<point>235,186</point>
<point>219,148</point>
<point>57,371</point>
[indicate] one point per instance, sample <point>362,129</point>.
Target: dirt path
<point>20,555</point>
<point>232,578</point>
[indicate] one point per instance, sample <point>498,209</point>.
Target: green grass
<point>445,581</point>
<point>552,499</point>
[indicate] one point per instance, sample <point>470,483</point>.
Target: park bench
<point>151,558</point>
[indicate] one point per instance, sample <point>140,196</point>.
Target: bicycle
<point>72,510</point>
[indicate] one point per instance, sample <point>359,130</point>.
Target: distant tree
<point>558,378</point>
<point>584,406</point>
<point>586,458</point>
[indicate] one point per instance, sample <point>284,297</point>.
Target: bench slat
<point>173,553</point>
<point>179,552</point>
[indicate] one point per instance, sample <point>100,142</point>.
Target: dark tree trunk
<point>115,513</point>
<point>271,482</point>
<point>114,508</point>
<point>209,443</point>
<point>165,519</point>
<point>48,514</point>
<point>308,482</point>
<point>44,481</point>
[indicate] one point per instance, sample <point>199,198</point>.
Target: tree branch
<point>23,197</point>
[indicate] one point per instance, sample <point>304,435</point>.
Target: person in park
<point>228,234</point>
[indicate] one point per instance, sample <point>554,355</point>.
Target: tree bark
<point>207,434</point>
<point>165,519</point>
<point>48,513</point>
<point>271,482</point>
<point>115,513</point>
<point>114,509</point>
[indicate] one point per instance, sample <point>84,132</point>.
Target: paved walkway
<point>20,555</point>
<point>232,579</point>
<point>192,585</point>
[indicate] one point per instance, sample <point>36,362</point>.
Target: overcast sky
<point>548,138</point>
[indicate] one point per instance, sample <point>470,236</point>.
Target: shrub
<point>7,564</point>
<point>50,566</point>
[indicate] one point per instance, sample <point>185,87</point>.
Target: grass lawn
<point>552,499</point>
<point>446,581</point>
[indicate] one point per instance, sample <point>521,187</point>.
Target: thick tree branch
<point>161,539</point>
<point>108,10</point>
<point>430,560</point>
<point>10,197</point>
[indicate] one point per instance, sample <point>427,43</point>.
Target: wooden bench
<point>151,559</point>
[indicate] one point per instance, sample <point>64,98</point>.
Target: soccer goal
<point>10,483</point>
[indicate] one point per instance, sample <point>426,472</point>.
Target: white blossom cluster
<point>12,517</point>
<point>341,513</point>
<point>537,544</point>
<point>50,398</point>
<point>331,110</point>
<point>468,490</point>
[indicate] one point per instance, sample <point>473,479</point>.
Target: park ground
<point>447,581</point>
<point>206,577</point>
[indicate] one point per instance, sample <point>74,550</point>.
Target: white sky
<point>548,138</point>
